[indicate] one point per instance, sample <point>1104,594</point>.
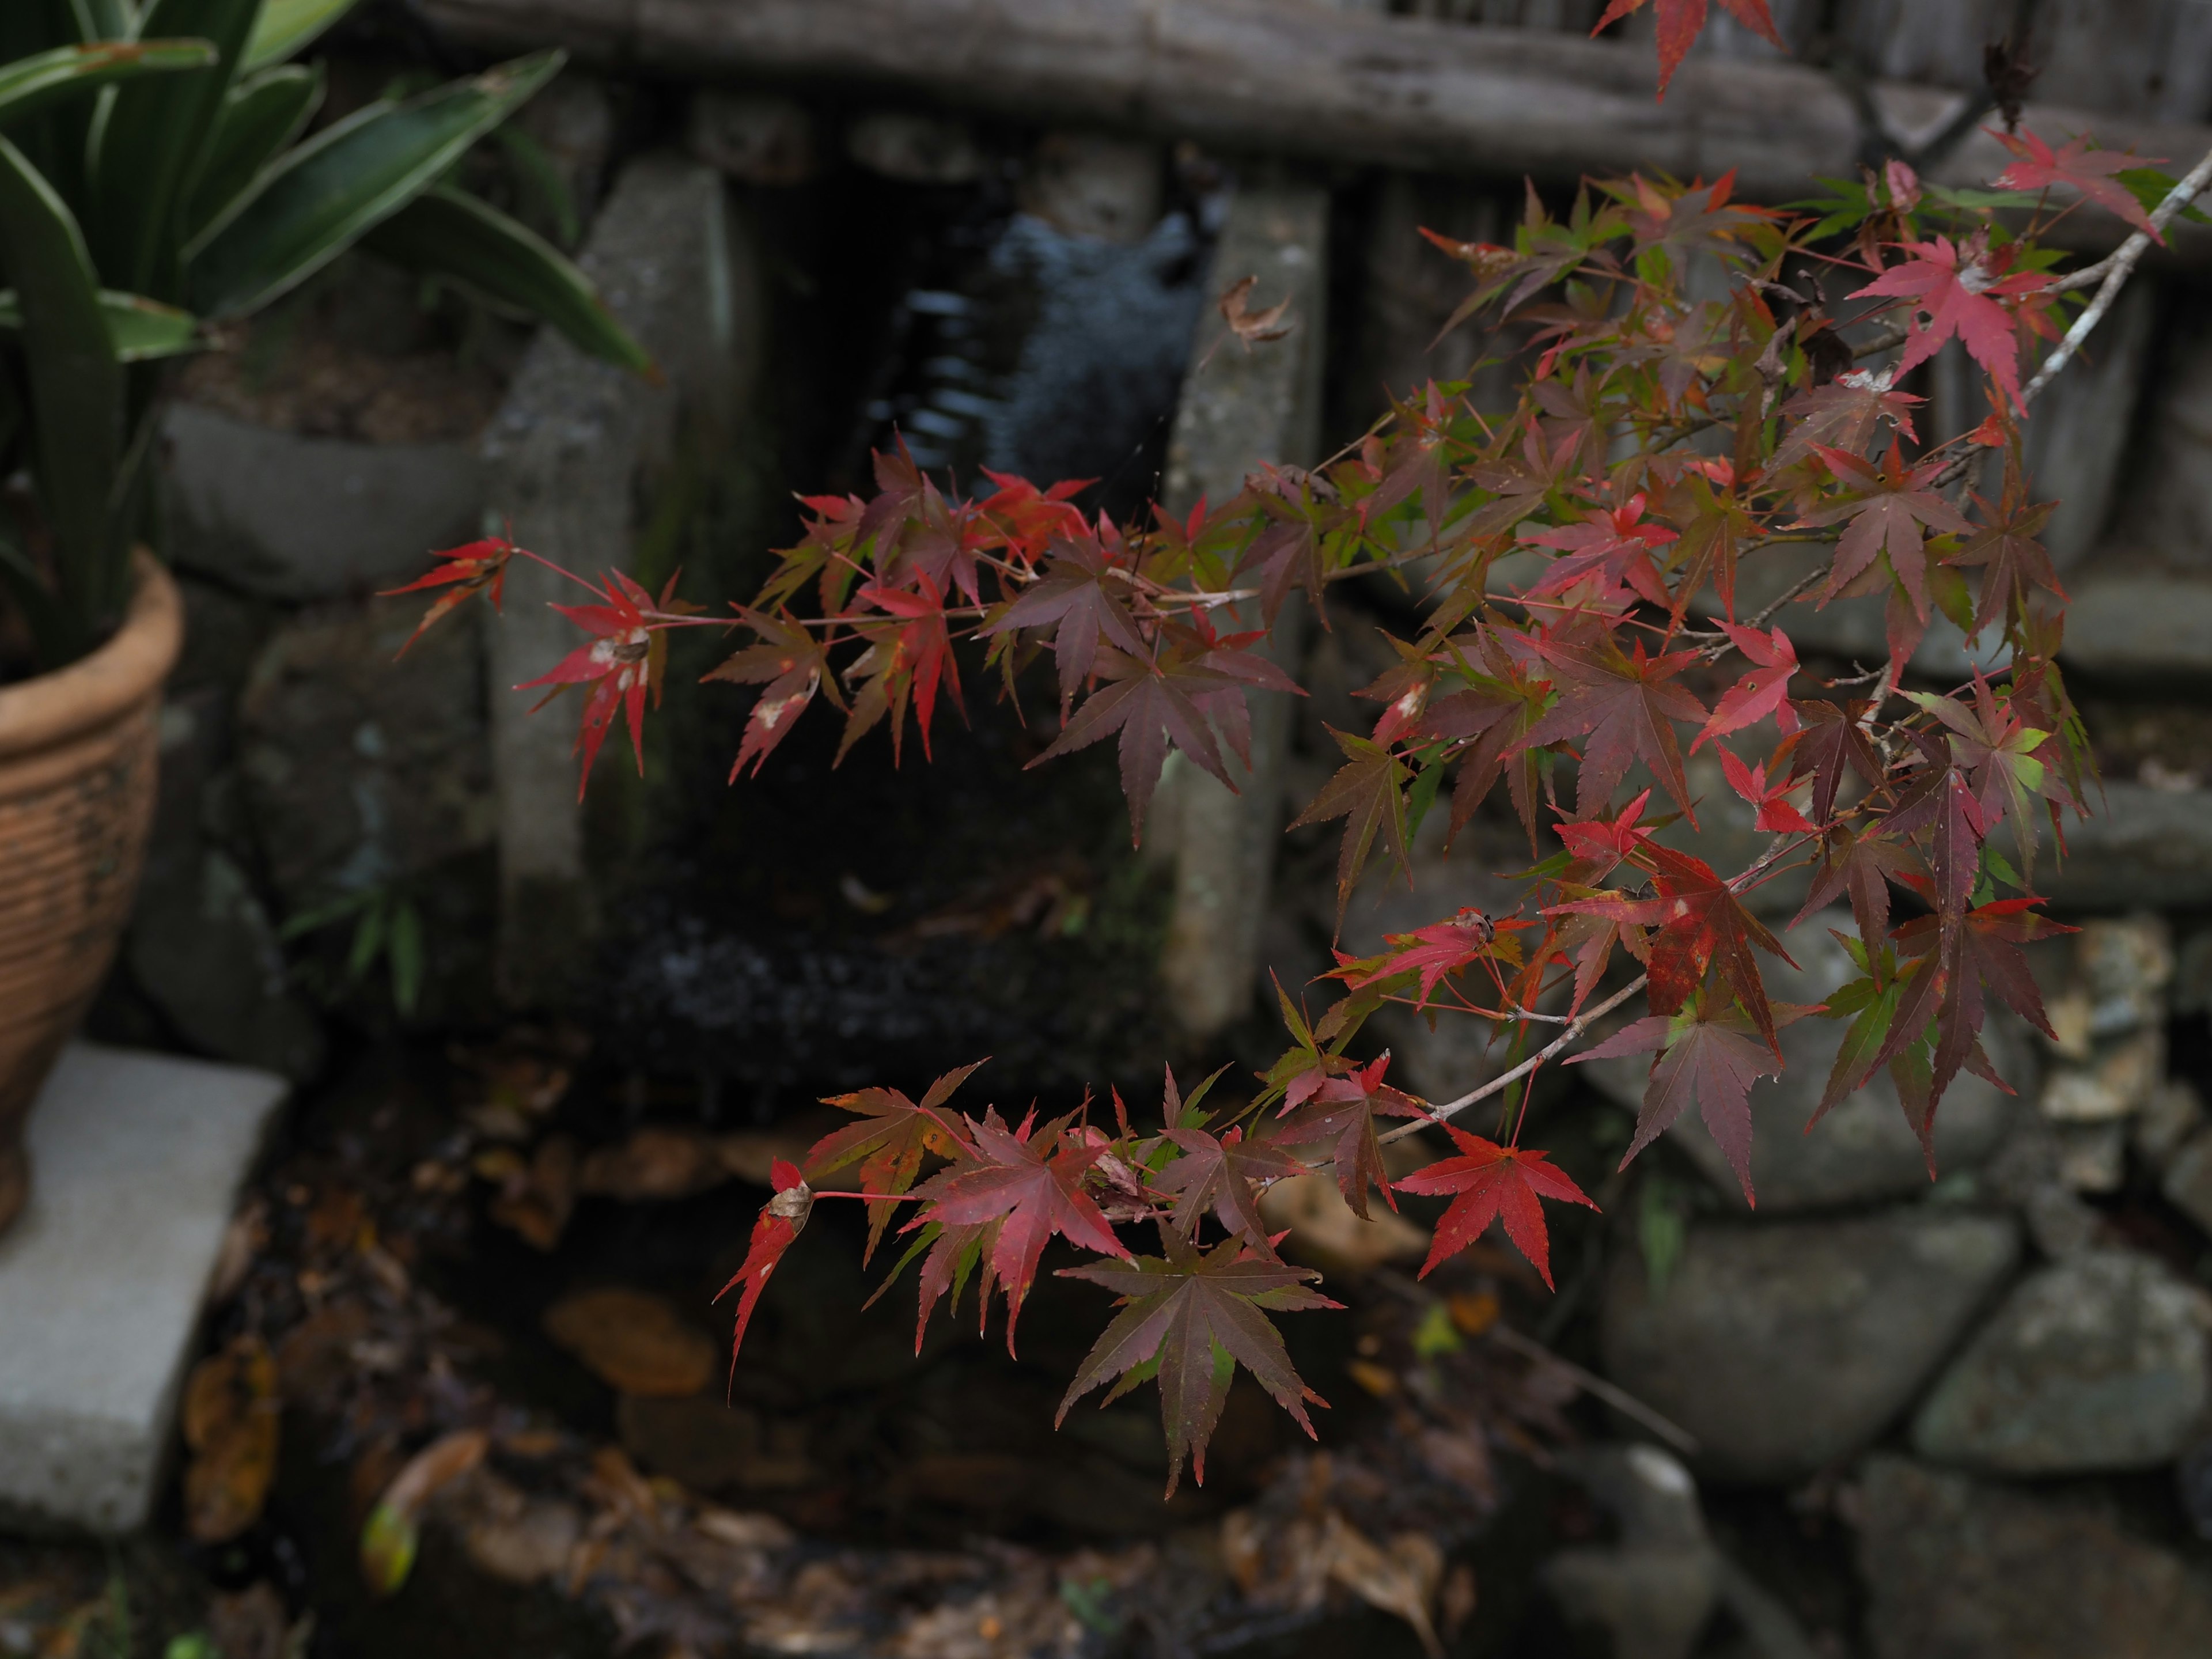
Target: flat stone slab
<point>137,1162</point>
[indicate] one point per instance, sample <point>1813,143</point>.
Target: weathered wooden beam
<point>1298,78</point>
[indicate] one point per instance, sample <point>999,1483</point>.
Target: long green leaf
<point>148,149</point>
<point>325,195</point>
<point>446,233</point>
<point>31,84</point>
<point>260,118</point>
<point>139,330</point>
<point>76,384</point>
<point>288,26</point>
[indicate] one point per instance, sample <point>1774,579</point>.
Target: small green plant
<point>154,181</point>
<point>386,925</point>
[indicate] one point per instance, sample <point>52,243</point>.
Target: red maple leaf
<point>1680,23</point>
<point>908,659</point>
<point>1490,1182</point>
<point>1598,845</point>
<point>1219,1173</point>
<point>1613,545</point>
<point>620,665</point>
<point>791,663</point>
<point>1845,414</point>
<point>1190,1319</point>
<point>1776,814</point>
<point>476,567</point>
<point>1886,517</point>
<point>2075,165</point>
<point>775,1229</point>
<point>1024,1188</point>
<point>1764,691</point>
<point>1709,1058</point>
<point>889,1143</point>
<point>1339,1111</point>
<point>1624,706</point>
<point>1073,599</point>
<point>1957,288</point>
<point>1441,948</point>
<point>1701,924</point>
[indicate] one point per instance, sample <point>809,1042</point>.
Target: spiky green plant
<point>152,181</point>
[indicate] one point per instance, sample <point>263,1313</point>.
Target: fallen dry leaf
<point>230,1414</point>
<point>1251,326</point>
<point>640,1343</point>
<point>392,1533</point>
<point>654,1163</point>
<point>536,1200</point>
<point>1401,1580</point>
<point>1324,1232</point>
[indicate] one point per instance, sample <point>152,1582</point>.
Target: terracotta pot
<point>77,758</point>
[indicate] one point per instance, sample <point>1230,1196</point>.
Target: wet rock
<point>2118,1079</point>
<point>201,945</point>
<point>1652,1593</point>
<point>302,518</point>
<point>2029,1174</point>
<point>1785,1345</point>
<point>2091,1157</point>
<point>2135,624</point>
<point>2143,846</point>
<point>2098,1363</point>
<point>756,138</point>
<point>915,149</point>
<point>1957,1570</point>
<point>203,949</point>
<point>360,772</point>
<point>2167,1123</point>
<point>1091,184</point>
<point>2188,1180</point>
<point>1865,1148</point>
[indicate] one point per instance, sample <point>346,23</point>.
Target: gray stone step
<point>137,1162</point>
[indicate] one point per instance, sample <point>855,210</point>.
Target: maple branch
<point>2114,272</point>
<point>1590,1383</point>
<point>1575,1028</point>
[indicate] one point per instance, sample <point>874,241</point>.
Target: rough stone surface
<point>758,138</point>
<point>1787,1345</point>
<point>140,1158</point>
<point>568,460</point>
<point>1957,1570</point>
<point>1239,410</point>
<point>2167,1122</point>
<point>2098,1363</point>
<point>201,944</point>
<point>300,517</point>
<point>2188,1180</point>
<point>362,771</point>
<point>2141,847</point>
<point>2118,1079</point>
<point>1653,1592</point>
<point>1865,1148</point>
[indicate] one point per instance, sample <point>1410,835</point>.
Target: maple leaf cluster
<point>1714,391</point>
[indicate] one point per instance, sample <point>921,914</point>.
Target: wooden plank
<point>1292,77</point>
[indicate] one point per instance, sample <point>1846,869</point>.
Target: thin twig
<point>1591,1383</point>
<point>2113,273</point>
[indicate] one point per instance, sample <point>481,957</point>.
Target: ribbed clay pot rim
<point>99,690</point>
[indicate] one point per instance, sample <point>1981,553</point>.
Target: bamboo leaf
<point>76,383</point>
<point>31,84</point>
<point>325,195</point>
<point>446,233</point>
<point>289,27</point>
<point>261,117</point>
<point>149,147</point>
<point>138,329</point>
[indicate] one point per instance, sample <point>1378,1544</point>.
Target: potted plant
<point>155,186</point>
